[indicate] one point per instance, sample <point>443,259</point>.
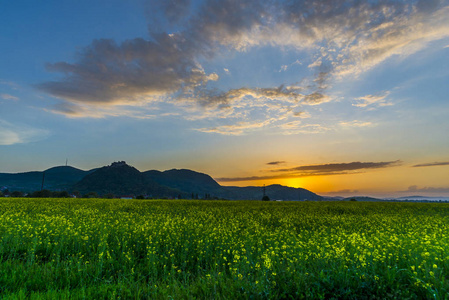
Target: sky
<point>338,97</point>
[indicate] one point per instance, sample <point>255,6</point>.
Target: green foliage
<point>265,198</point>
<point>42,194</point>
<point>50,194</point>
<point>62,194</point>
<point>109,196</point>
<point>96,248</point>
<point>91,195</point>
<point>16,194</point>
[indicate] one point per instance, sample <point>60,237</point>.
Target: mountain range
<point>122,179</point>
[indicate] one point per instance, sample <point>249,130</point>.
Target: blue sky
<point>340,97</point>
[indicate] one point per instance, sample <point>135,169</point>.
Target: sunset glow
<point>342,97</point>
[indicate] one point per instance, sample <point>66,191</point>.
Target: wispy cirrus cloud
<point>286,67</point>
<point>9,84</point>
<point>99,111</point>
<point>356,123</point>
<point>237,128</point>
<point>297,127</point>
<point>432,164</point>
<point>8,97</point>
<point>11,134</point>
<point>370,100</point>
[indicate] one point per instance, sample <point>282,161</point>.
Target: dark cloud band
<point>434,164</point>
<point>340,167</point>
<point>318,170</point>
<point>275,163</point>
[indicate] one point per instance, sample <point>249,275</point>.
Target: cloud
<point>355,123</point>
<point>275,163</point>
<point>283,68</point>
<point>283,96</point>
<point>289,94</point>
<point>316,63</point>
<point>10,84</point>
<point>368,100</point>
<point>246,109</point>
<point>98,111</point>
<point>168,13</point>
<point>341,167</point>
<point>316,98</point>
<point>415,189</point>
<point>355,43</point>
<point>343,40</point>
<point>317,170</point>
<point>343,192</point>
<point>236,129</point>
<point>301,114</point>
<point>227,71</point>
<point>286,67</point>
<point>11,134</point>
<point>445,163</point>
<point>113,74</point>
<point>270,177</point>
<point>296,127</point>
<point>8,97</point>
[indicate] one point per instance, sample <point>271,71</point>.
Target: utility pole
<point>264,191</point>
<point>66,161</point>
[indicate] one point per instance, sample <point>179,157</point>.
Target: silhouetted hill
<point>333,198</point>
<point>187,181</point>
<point>421,198</point>
<point>274,192</point>
<point>56,178</point>
<point>122,179</point>
<point>66,173</point>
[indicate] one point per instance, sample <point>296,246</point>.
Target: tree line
<point>76,194</point>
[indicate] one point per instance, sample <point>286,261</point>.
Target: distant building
<point>118,164</point>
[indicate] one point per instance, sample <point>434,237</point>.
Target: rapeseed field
<point>181,249</point>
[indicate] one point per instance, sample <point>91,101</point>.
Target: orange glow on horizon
<point>314,184</point>
<point>398,181</point>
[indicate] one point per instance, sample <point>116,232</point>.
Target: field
<point>138,249</point>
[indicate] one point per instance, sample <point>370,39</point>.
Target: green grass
<point>135,249</point>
